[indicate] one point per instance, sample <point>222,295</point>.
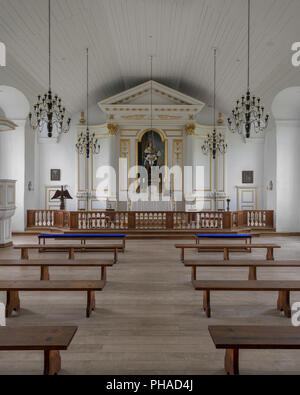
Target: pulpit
<point>7,210</point>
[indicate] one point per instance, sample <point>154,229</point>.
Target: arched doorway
<point>286,111</point>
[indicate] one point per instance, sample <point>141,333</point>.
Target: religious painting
<point>248,177</point>
<point>55,174</point>
<point>151,152</point>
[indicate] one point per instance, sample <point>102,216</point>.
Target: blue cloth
<point>66,236</point>
<point>224,236</point>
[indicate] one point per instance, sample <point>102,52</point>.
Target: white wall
<point>286,110</point>
<point>12,166</point>
<point>243,156</point>
<point>15,107</point>
<point>288,186</point>
<point>270,158</point>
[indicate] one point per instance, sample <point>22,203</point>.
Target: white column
<point>189,159</point>
<point>113,162</point>
<point>7,210</point>
<point>288,185</point>
<point>12,166</point>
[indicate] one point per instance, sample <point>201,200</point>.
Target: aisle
<point>148,318</point>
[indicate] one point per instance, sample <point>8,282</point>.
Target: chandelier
<point>49,112</point>
<point>86,142</point>
<point>214,142</point>
<point>249,113</point>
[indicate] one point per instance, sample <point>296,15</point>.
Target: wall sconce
<point>270,187</point>
<point>30,187</point>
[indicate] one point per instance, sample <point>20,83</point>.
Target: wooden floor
<point>149,320</point>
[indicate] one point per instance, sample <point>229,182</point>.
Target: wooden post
<point>45,273</point>
<point>52,362</point>
<point>91,303</point>
<point>131,220</point>
<point>206,303</point>
<point>115,255</point>
<point>73,220</point>
<point>12,302</point>
<point>227,220</point>
<point>24,254</point>
<point>182,255</point>
<point>270,254</point>
<point>252,273</point>
<point>194,273</point>
<point>170,220</point>
<point>103,273</point>
<point>71,253</point>
<point>286,304</point>
<point>226,254</point>
<point>30,218</point>
<point>232,362</point>
<point>280,301</point>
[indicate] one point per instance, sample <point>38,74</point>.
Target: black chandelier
<point>86,142</point>
<point>249,113</point>
<point>214,142</point>
<point>49,112</point>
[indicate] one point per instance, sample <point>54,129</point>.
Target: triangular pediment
<point>141,95</point>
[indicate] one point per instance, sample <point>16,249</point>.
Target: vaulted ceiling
<point>118,33</point>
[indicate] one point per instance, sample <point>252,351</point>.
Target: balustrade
<point>150,220</point>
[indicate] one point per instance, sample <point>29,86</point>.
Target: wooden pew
<point>46,264</point>
<point>83,238</point>
<point>226,248</point>
<point>236,338</point>
<point>252,265</point>
<point>283,287</point>
<point>12,289</point>
<point>51,340</point>
<point>71,248</point>
<point>225,236</point>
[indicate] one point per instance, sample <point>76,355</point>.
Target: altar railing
<point>150,220</point>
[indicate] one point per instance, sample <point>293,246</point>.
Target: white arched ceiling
<point>13,103</point>
<point>286,105</point>
<point>117,33</point>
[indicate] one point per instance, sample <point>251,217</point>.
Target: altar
<point>136,140</point>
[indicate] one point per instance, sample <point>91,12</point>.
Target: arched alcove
<point>13,103</point>
<point>14,108</point>
<point>286,111</point>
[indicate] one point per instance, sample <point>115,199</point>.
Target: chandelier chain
<point>214,142</point>
<point>49,18</point>
<point>249,113</point>
<point>86,142</point>
<point>48,113</point>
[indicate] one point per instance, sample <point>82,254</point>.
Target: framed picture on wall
<point>55,174</point>
<point>248,177</point>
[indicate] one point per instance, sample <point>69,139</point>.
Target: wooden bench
<point>226,248</point>
<point>68,247</point>
<point>236,338</point>
<point>83,238</point>
<point>252,265</point>
<point>12,289</point>
<point>283,287</point>
<point>46,264</point>
<point>51,340</point>
<point>224,236</point>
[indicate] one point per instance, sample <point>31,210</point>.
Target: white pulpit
<point>7,210</point>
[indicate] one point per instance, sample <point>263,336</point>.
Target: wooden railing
<point>150,220</point>
<point>253,219</point>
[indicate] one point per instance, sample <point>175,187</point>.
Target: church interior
<point>149,150</point>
